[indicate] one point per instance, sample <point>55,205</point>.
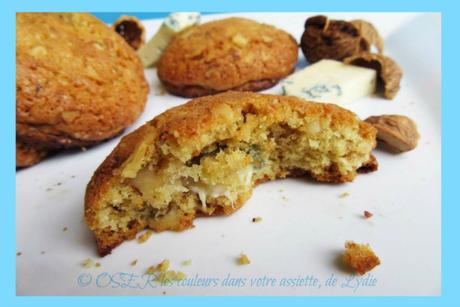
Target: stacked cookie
<point>77,84</point>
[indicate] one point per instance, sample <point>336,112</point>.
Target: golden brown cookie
<point>228,54</point>
<point>204,158</point>
<point>28,155</point>
<point>77,81</point>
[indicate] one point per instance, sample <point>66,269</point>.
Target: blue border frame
<point>450,147</point>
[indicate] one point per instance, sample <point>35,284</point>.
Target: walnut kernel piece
<point>369,34</point>
<point>388,71</point>
<point>360,257</point>
<point>70,116</point>
<point>325,38</point>
<point>87,263</point>
<point>239,40</point>
<point>145,236</point>
<point>131,29</point>
<point>399,132</point>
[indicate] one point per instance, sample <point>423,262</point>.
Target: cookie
<point>204,158</point>
<point>228,54</point>
<point>77,81</point>
<point>28,155</point>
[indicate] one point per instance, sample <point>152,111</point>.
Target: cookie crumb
<point>87,263</point>
<point>150,270</point>
<point>367,214</point>
<point>186,262</point>
<point>161,91</point>
<point>256,219</point>
<point>134,262</point>
<point>18,254</point>
<point>97,264</point>
<point>163,266</point>
<point>170,276</point>
<point>344,194</point>
<point>145,236</point>
<point>243,259</point>
<point>65,229</point>
<point>360,257</point>
<point>162,275</point>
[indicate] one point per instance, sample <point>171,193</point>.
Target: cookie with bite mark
<point>205,157</point>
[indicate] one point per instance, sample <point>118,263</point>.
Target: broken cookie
<point>204,158</point>
<point>360,257</point>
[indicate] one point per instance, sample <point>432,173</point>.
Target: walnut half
<point>325,38</point>
<point>398,132</point>
<point>388,71</point>
<point>131,29</point>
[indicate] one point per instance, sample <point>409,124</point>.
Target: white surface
<point>305,224</point>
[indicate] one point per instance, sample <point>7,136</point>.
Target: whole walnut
<point>324,38</point>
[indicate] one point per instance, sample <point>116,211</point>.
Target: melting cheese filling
<point>207,191</point>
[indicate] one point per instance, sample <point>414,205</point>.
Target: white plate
<point>305,224</point>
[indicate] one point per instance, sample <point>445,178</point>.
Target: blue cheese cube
<point>175,23</point>
<point>331,81</point>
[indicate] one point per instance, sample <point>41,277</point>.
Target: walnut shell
<point>131,29</point>
<point>388,71</point>
<point>324,38</point>
<point>398,132</point>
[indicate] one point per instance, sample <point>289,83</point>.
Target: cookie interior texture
<point>205,157</point>
<point>227,54</point>
<point>77,81</point>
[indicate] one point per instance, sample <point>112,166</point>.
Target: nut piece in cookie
<point>77,81</point>
<point>324,38</point>
<point>204,158</point>
<point>398,132</point>
<point>131,29</point>
<point>229,54</point>
<point>360,257</point>
<point>388,71</point>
